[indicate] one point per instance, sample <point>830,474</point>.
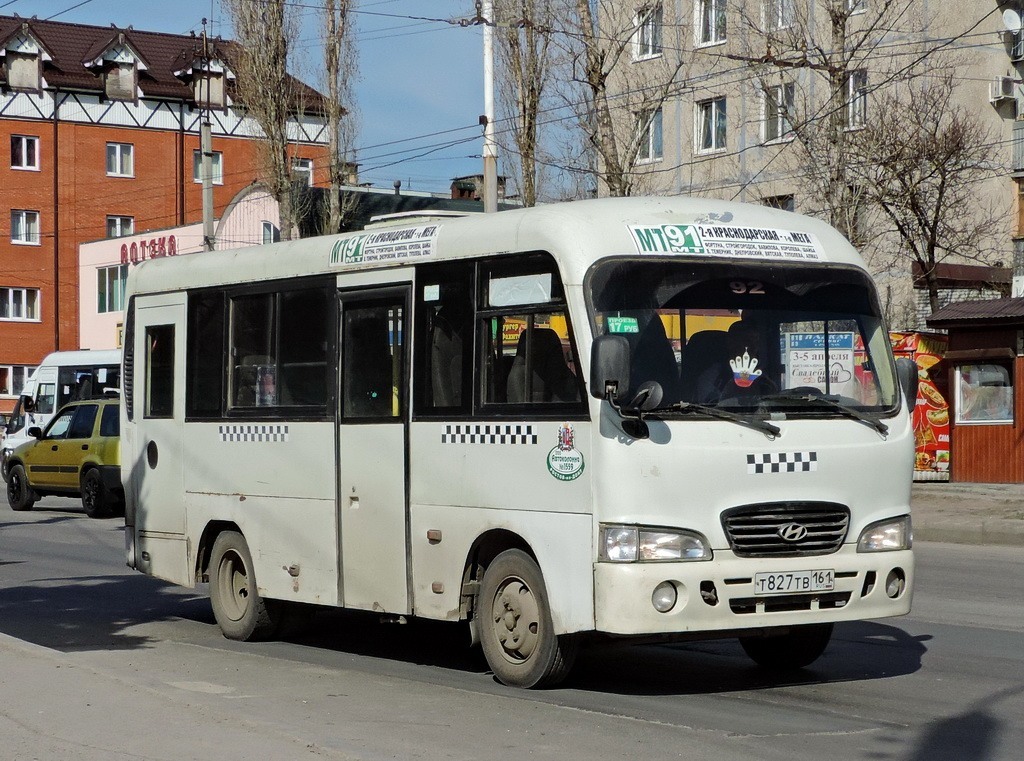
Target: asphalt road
<point>98,662</point>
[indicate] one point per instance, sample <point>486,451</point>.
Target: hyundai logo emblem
<point>793,532</point>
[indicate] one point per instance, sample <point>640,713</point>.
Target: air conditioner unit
<point>1002,89</point>
<point>1016,46</point>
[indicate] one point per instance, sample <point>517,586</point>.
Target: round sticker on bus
<point>565,462</point>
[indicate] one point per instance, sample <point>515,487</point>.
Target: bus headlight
<point>631,544</point>
<point>883,536</point>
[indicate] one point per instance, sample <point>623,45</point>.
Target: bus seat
<point>446,362</point>
<point>705,349</point>
<point>551,381</point>
<point>654,360</point>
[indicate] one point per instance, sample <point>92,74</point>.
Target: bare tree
<point>820,62</point>
<point>525,52</point>
<point>618,106</point>
<point>921,161</point>
<point>340,71</point>
<point>265,31</point>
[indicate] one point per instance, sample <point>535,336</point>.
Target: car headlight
<point>883,536</point>
<point>631,544</point>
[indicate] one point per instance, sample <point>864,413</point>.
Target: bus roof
<point>577,233</point>
<point>82,357</point>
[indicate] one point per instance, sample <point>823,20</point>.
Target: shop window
<point>984,394</point>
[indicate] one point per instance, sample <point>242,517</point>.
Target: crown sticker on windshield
<point>565,462</point>
<point>744,370</point>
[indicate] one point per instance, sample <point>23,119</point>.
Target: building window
<point>110,288</point>
<point>711,125</point>
<point>22,71</point>
<point>24,152</point>
<point>120,81</point>
<point>12,379</point>
<point>780,14</point>
<point>25,227</point>
<point>302,171</point>
<point>784,202</point>
<point>271,232</point>
<point>857,98</point>
<point>20,304</point>
<point>778,106</point>
<point>984,394</point>
<point>649,127</point>
<point>856,6</point>
<point>216,166</point>
<point>118,227</point>
<point>648,32</point>
<point>120,160</point>
<point>711,21</point>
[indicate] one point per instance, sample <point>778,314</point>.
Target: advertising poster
<point>931,413</point>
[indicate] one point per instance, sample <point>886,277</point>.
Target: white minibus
<point>643,418</point>
<point>62,377</point>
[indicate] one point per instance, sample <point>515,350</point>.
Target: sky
<point>420,89</point>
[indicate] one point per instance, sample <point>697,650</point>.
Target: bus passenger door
<point>372,436</point>
<point>154,463</point>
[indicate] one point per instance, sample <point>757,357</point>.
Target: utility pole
<point>485,12</point>
<point>206,152</point>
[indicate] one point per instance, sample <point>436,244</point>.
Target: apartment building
<point>103,127</point>
<point>747,73</point>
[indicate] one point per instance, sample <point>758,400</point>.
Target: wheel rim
<point>233,583</point>
<point>515,615</point>
<point>90,493</point>
<point>14,486</point>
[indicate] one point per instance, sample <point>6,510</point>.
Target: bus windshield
<point>788,338</point>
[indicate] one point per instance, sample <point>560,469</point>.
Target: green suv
<point>79,453</point>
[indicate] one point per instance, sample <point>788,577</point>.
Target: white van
<point>62,377</point>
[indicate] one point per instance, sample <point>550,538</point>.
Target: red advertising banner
<point>931,412</point>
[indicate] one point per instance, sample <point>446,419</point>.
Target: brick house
<point>103,128</point>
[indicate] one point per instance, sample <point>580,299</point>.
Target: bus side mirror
<point>609,366</point>
<point>906,372</point>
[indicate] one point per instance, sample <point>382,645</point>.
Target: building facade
<point>747,75</point>
<point>103,127</point>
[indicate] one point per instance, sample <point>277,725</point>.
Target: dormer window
<point>208,89</point>
<point>119,81</point>
<point>22,57</point>
<point>22,71</point>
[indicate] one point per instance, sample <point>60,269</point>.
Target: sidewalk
<point>968,513</point>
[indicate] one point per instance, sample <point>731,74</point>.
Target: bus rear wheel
<point>799,647</point>
<point>518,638</point>
<point>240,611</point>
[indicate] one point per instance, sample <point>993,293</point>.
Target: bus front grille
<point>786,529</point>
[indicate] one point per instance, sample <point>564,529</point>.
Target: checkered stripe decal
<point>260,433</point>
<point>782,462</point>
<point>488,434</point>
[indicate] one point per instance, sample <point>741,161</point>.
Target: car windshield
<point>794,338</point>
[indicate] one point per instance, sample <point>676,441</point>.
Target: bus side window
<point>444,327</point>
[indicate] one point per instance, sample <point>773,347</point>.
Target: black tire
<point>20,495</point>
<point>95,499</point>
<point>516,632</point>
<point>240,611</point>
<point>797,648</point>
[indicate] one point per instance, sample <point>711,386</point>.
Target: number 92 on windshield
<point>794,582</point>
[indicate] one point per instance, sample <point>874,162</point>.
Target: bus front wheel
<point>240,611</point>
<point>516,633</point>
<point>799,647</point>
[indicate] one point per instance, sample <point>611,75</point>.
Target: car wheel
<point>240,611</point>
<point>94,495</point>
<point>19,494</point>
<point>516,632</point>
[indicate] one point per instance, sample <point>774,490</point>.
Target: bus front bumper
<point>721,595</point>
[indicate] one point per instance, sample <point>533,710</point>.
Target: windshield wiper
<point>831,403</point>
<point>758,424</point>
